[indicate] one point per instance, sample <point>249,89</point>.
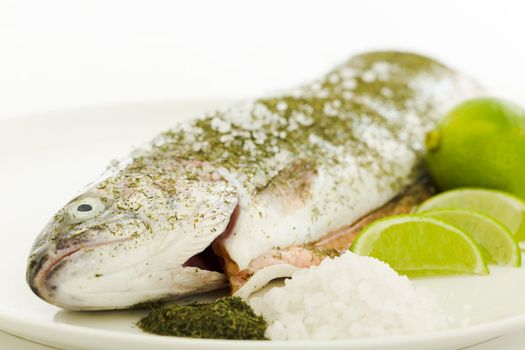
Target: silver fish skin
<point>236,184</point>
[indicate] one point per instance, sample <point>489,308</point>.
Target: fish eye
<point>84,209</point>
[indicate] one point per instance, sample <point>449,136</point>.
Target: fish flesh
<point>250,193</point>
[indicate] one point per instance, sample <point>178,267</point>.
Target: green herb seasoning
<point>226,318</point>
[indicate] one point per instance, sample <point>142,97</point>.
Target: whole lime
<point>480,143</point>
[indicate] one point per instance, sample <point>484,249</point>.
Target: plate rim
<point>14,324</point>
<point>52,333</point>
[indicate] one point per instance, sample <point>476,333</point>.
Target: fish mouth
<point>43,265</point>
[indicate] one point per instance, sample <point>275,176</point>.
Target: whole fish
<point>251,193</point>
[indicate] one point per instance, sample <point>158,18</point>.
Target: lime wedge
<point>496,242</point>
<point>420,246</point>
<point>501,206</point>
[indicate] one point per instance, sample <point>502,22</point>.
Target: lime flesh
<point>421,246</point>
<point>500,206</point>
<point>497,243</point>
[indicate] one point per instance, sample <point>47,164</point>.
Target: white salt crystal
<point>333,78</point>
<point>220,125</point>
<point>350,84</point>
<point>382,70</point>
<point>329,109</point>
<point>348,297</point>
<point>282,106</point>
<point>368,76</point>
<point>386,92</point>
<point>347,95</point>
<point>348,73</point>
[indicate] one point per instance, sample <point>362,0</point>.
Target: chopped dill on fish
<point>251,193</point>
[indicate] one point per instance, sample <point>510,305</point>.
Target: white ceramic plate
<point>46,159</point>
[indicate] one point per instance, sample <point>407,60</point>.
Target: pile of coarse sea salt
<point>348,297</point>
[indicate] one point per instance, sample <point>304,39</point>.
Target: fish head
<point>137,236</point>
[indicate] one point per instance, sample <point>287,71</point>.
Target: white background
<point>62,54</point>
<point>56,54</point>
